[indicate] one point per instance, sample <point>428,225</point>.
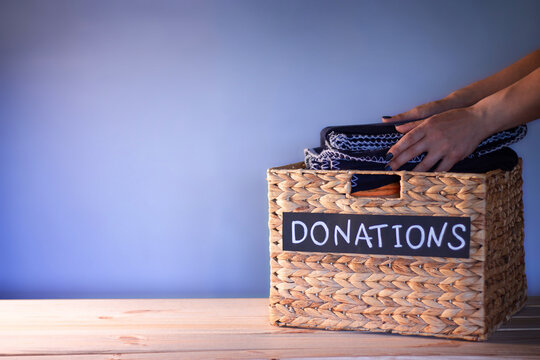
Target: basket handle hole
<point>376,186</point>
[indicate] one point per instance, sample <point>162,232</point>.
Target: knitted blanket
<point>364,147</point>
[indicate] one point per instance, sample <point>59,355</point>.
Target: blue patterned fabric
<point>364,147</point>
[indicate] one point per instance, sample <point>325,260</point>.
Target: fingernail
<point>388,168</point>
<point>389,156</point>
<point>386,117</point>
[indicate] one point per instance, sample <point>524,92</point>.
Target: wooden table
<point>222,328</point>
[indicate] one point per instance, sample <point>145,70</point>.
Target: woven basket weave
<point>435,296</point>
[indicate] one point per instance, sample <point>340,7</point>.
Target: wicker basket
<point>435,296</point>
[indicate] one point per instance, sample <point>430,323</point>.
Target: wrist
<point>484,123</point>
<point>455,100</point>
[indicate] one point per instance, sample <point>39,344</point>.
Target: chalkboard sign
<point>438,236</point>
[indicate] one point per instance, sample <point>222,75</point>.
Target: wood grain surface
<point>223,329</point>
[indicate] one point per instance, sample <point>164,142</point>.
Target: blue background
<point>135,135</point>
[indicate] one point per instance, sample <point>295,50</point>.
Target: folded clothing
<point>381,136</point>
<point>364,147</point>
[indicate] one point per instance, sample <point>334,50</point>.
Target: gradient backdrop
<point>135,135</point>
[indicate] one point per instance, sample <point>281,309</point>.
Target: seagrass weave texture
<point>446,297</point>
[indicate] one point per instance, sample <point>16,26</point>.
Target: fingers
<point>445,138</point>
<point>405,128</point>
<point>407,148</point>
<point>419,112</point>
<point>446,164</point>
<point>388,119</point>
<point>407,141</point>
<point>428,162</point>
<point>423,111</point>
<point>401,128</point>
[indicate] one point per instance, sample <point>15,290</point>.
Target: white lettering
<point>319,223</point>
<point>398,243</point>
<point>365,237</point>
<point>378,227</point>
<point>461,240</point>
<point>294,238</point>
<point>422,237</point>
<point>431,235</point>
<point>346,237</point>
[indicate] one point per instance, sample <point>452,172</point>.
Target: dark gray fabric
<point>365,147</point>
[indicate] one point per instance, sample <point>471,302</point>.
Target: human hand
<point>455,125</point>
<point>446,137</point>
<point>423,111</point>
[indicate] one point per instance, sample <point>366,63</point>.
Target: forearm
<point>471,94</point>
<point>514,105</point>
<point>476,91</point>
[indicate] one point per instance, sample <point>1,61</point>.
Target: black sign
<point>439,236</point>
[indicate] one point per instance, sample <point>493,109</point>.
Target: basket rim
<point>300,166</point>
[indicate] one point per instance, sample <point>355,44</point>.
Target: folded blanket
<point>364,147</point>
